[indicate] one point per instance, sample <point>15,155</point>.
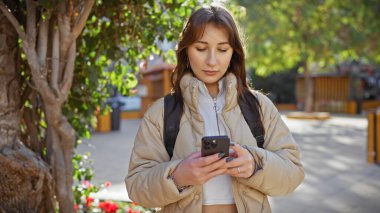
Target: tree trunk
<point>25,181</point>
<point>49,45</point>
<point>60,151</point>
<point>309,89</point>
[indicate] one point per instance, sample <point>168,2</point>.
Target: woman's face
<point>210,56</point>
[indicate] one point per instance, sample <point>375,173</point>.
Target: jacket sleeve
<point>147,180</point>
<point>279,169</point>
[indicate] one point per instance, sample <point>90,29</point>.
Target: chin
<point>211,81</point>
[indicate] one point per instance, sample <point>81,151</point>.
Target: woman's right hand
<point>197,170</point>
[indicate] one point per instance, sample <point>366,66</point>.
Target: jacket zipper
<point>216,115</point>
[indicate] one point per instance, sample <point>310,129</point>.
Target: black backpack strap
<point>172,118</point>
<point>249,106</point>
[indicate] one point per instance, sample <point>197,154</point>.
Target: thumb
<point>238,149</point>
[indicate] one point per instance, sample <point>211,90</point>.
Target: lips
<point>210,72</point>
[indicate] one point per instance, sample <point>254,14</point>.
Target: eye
<point>223,50</point>
<point>200,49</point>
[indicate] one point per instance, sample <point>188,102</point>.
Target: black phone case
<point>215,144</point>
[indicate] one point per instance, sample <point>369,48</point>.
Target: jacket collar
<point>190,87</point>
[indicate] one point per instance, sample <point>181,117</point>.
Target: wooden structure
<point>288,107</point>
<point>373,142</point>
<point>130,114</point>
<point>156,82</point>
<point>331,93</point>
<point>104,123</point>
<point>370,104</point>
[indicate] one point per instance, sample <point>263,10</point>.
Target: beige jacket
<point>147,181</point>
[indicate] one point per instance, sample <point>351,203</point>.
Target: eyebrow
<point>203,42</point>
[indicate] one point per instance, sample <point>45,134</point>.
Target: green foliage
<point>83,175</point>
<point>82,167</point>
<point>282,34</point>
<point>118,36</point>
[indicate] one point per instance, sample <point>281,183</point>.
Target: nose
<point>211,59</point>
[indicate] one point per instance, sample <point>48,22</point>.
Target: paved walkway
<point>338,178</point>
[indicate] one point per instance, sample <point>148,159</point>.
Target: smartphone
<point>215,144</point>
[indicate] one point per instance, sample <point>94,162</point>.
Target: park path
<point>338,177</point>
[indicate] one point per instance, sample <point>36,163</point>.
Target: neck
<point>213,89</point>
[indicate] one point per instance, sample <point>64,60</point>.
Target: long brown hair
<point>194,30</point>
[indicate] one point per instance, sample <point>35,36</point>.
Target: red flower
<point>107,184</point>
<point>76,207</point>
<point>129,210</point>
<point>102,205</point>
<point>108,207</point>
<point>89,200</point>
<point>112,208</point>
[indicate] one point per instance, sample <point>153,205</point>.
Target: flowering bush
<point>108,207</point>
<point>94,205</point>
<point>85,203</point>
<point>83,188</point>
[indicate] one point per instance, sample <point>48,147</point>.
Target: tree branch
<point>69,71</point>
<point>39,80</point>
<point>64,27</point>
<point>31,27</point>
<point>70,8</point>
<point>42,42</point>
<point>13,21</point>
<point>31,86</point>
<point>55,61</point>
<point>29,118</point>
<point>82,21</point>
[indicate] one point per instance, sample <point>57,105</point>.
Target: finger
<point>244,161</point>
<point>242,152</point>
<point>232,152</point>
<point>204,161</point>
<point>214,174</point>
<point>235,162</point>
<point>238,149</point>
<point>238,172</point>
<point>241,167</point>
<point>234,171</point>
<point>220,164</point>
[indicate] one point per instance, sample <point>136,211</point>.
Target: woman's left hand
<point>242,164</point>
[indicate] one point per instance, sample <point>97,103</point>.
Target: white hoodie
<point>217,190</point>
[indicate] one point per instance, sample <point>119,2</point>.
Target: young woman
<point>209,79</point>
